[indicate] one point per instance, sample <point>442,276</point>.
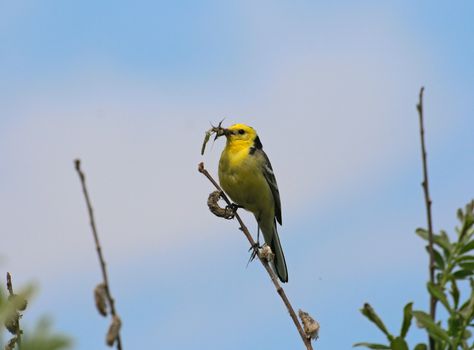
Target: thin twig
<point>273,277</point>
<point>17,339</point>
<point>108,294</point>
<point>428,203</point>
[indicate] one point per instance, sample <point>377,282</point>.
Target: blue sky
<point>130,89</point>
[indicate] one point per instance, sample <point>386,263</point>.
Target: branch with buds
<point>310,327</point>
<point>16,303</point>
<point>102,295</point>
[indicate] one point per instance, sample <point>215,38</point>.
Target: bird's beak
<point>222,132</point>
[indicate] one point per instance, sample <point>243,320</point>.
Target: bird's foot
<point>254,248</point>
<point>232,209</point>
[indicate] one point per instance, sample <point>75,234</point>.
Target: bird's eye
<point>241,131</point>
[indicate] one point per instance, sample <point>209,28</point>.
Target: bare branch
<point>428,203</point>
<point>106,284</point>
<point>306,338</point>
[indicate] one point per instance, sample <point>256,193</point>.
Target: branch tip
<point>428,203</point>
<point>9,283</point>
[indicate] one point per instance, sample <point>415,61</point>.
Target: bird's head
<point>240,132</point>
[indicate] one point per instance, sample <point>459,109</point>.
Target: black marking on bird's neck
<point>256,145</point>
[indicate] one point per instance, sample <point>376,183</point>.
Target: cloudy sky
<point>130,89</point>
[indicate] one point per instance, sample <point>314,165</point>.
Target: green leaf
<point>444,236</point>
<point>438,293</point>
<point>470,207</point>
<point>469,246</point>
<point>422,233</point>
<point>468,222</point>
<point>467,266</point>
<point>437,257</point>
<point>455,292</point>
<point>440,240</point>
<point>399,344</point>
<point>407,316</point>
<point>465,258</point>
<point>462,274</point>
<point>439,277</point>
<point>467,309</point>
<point>421,346</point>
<point>467,334</point>
<point>425,321</point>
<point>372,346</point>
<point>370,313</point>
<point>454,324</point>
<point>465,233</point>
<point>443,241</point>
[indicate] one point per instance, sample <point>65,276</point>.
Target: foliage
<point>41,338</point>
<point>454,266</point>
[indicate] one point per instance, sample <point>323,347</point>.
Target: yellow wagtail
<point>246,175</point>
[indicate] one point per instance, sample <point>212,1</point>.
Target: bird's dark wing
<point>271,180</point>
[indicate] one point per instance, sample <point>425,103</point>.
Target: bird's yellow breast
<point>241,177</point>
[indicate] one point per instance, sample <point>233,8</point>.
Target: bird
<point>246,175</point>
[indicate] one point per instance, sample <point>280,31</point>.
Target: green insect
<point>218,130</point>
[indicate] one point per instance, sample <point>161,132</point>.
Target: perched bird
<point>246,175</point>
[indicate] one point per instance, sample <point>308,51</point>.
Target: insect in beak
<point>219,130</point>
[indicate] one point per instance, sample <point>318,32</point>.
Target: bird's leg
<point>258,236</point>
<point>256,246</point>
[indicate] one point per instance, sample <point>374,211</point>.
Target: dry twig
<point>305,337</point>
<point>12,323</point>
<point>428,203</point>
<point>105,286</point>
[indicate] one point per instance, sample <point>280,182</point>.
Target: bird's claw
<point>254,248</point>
<point>232,208</point>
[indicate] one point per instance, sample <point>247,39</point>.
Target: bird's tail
<point>271,238</point>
